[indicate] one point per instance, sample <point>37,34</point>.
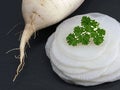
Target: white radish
<point>39,14</point>
<point>86,65</point>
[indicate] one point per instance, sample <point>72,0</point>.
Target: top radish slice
<point>39,14</point>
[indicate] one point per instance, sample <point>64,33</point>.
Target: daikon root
<point>39,14</point>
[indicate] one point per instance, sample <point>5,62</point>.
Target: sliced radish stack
<point>86,64</point>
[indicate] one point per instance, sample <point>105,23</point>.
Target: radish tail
<point>27,33</point>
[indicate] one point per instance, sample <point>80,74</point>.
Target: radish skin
<point>39,14</point>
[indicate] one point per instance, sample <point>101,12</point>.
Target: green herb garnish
<point>89,29</point>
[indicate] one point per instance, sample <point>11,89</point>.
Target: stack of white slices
<point>86,64</point>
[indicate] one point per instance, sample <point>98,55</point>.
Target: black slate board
<point>37,73</point>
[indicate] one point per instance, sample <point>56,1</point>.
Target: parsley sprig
<point>89,29</point>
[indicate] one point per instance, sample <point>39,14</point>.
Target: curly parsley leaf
<point>89,29</point>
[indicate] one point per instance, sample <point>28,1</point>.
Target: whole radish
<point>39,14</point>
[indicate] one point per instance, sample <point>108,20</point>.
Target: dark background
<point>37,73</point>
